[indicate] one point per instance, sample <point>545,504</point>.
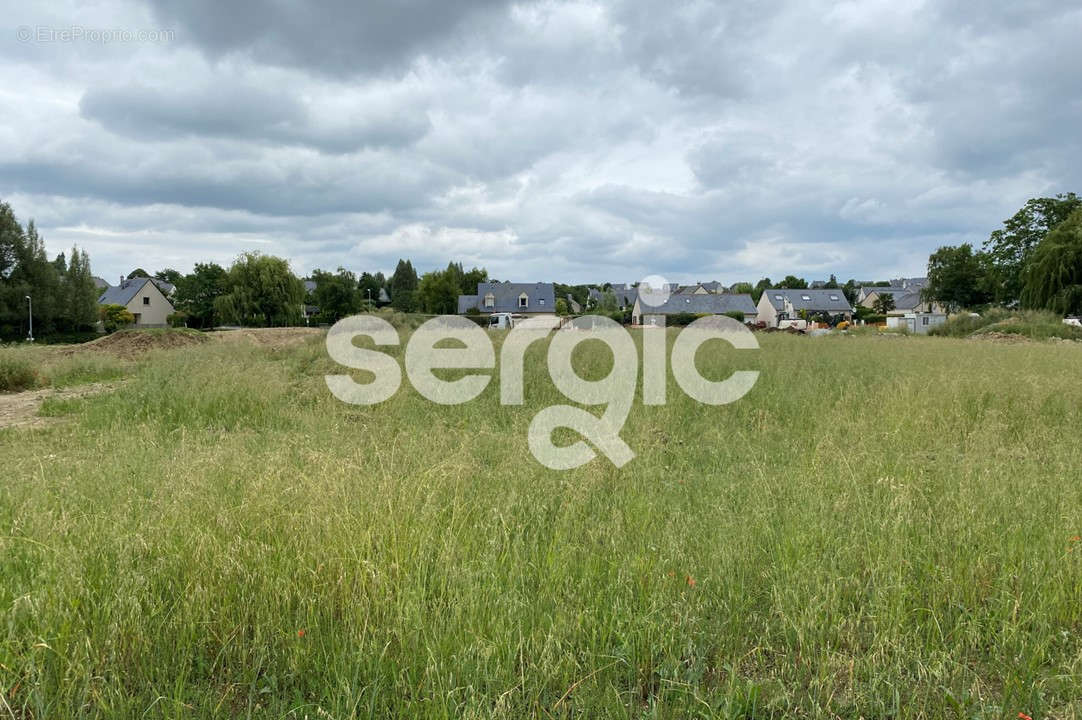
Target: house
<point>702,304</point>
<point>100,283</point>
<point>912,301</point>
<point>785,304</point>
<point>143,299</point>
<point>701,288</point>
<point>869,293</point>
<point>625,295</point>
<point>915,322</point>
<point>527,299</point>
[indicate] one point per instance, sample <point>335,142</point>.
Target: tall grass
<point>1034,324</point>
<point>873,532</point>
<point>28,367</point>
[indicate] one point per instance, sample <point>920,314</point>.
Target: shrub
<point>1036,324</point>
<point>114,317</point>
<point>177,319</point>
<point>16,373</point>
<point>735,315</point>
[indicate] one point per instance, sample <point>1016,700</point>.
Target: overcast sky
<point>569,141</point>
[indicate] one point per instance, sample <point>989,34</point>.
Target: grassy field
<point>883,527</point>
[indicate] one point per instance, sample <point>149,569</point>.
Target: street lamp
<point>369,291</point>
<point>30,316</point>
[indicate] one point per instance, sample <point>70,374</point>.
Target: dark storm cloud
<point>339,37</point>
<point>245,113</point>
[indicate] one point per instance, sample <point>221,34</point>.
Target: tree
<point>832,283</point>
<point>1009,248</point>
<point>336,294</point>
<point>403,284</point>
<point>169,275</point>
<point>793,283</point>
<point>742,288</point>
<point>369,285</point>
<point>760,286</point>
<point>1052,277</point>
<point>261,290</point>
<point>883,303</point>
<point>561,307</point>
<point>851,291</point>
<point>80,293</point>
<point>138,273</point>
<point>114,317</point>
<point>197,291</point>
<point>957,278</point>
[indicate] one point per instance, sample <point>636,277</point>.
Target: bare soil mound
<point>267,337</point>
<point>132,343</point>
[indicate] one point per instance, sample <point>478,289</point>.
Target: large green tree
<point>1010,247</point>
<point>261,290</point>
<point>793,283</point>
<point>197,292</point>
<point>957,278</point>
<point>1052,277</point>
<point>337,294</point>
<point>403,285</point>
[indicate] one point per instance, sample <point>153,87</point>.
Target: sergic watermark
<point>475,351</point>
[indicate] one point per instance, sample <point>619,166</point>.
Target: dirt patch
<point>133,343</point>
<point>266,337</point>
<point>21,409</point>
<point>1000,337</point>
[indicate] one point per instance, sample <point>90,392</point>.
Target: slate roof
<point>165,286</point>
<point>818,300</point>
<point>100,283</point>
<point>625,296</point>
<point>123,293</point>
<point>506,296</point>
<point>702,304</point>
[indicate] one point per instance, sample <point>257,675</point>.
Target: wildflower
<point>1076,538</point>
<point>300,633</point>
<point>691,581</point>
<point>1023,716</point>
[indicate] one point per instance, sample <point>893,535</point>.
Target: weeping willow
<point>1052,278</point>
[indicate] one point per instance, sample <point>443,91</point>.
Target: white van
<point>501,321</point>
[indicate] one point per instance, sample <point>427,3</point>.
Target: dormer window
<point>490,300</point>
<point>523,300</point>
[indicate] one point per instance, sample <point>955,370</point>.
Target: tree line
<point>59,294</point>
<point>1034,261</point>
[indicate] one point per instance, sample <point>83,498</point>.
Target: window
<point>834,298</point>
<point>924,321</point>
<point>523,300</point>
<point>806,298</point>
<point>541,301</point>
<point>779,297</point>
<point>146,300</point>
<point>490,300</point>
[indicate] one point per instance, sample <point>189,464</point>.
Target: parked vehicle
<point>1075,321</point>
<point>795,324</point>
<point>501,321</point>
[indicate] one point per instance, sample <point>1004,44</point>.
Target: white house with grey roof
<point>526,299</point>
<point>642,313</point>
<point>143,299</point>
<point>785,304</point>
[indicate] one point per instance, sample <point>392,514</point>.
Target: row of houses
<point>775,304</point>
<point>148,300</point>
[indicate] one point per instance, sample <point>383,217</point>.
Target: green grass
<point>879,529</point>
<point>28,367</point>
